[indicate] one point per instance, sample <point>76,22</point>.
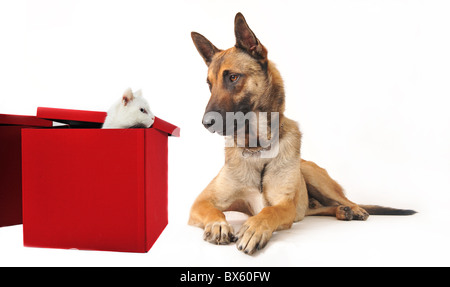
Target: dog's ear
<point>246,39</point>
<point>204,47</point>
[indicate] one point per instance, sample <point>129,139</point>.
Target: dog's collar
<point>247,152</point>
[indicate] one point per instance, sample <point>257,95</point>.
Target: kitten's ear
<point>127,96</point>
<point>138,93</point>
<point>204,47</point>
<point>246,39</point>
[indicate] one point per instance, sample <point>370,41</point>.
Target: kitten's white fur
<point>131,111</point>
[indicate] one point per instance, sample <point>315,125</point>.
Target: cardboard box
<point>94,189</point>
<point>11,165</point>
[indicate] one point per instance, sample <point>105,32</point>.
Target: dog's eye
<point>234,78</point>
<point>143,110</point>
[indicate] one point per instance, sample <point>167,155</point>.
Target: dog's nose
<point>208,122</point>
<point>212,121</point>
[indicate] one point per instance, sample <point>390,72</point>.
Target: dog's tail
<point>381,210</point>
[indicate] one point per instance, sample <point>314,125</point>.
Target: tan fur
<point>283,200</point>
<point>273,191</point>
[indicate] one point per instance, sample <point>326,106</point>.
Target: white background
<point>368,81</point>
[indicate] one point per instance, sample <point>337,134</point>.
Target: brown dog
<point>278,189</point>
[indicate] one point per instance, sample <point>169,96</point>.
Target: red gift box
<point>91,188</point>
<point>11,165</point>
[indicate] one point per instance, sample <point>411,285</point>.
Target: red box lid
<point>84,118</point>
<point>71,116</point>
<point>166,127</point>
<point>24,121</point>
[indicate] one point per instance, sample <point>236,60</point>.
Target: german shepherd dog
<point>275,191</point>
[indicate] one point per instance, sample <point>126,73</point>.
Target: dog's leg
<point>216,228</point>
<point>206,213</point>
<point>321,186</point>
<point>287,202</point>
<point>257,230</point>
<point>341,212</point>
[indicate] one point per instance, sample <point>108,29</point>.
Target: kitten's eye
<point>143,110</point>
<point>234,77</point>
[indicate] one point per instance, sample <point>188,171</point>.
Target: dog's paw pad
<point>314,203</point>
<point>344,213</point>
<point>359,213</point>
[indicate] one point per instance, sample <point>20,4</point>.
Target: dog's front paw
<point>220,233</point>
<point>253,236</point>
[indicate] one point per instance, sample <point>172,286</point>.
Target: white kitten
<point>132,111</point>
